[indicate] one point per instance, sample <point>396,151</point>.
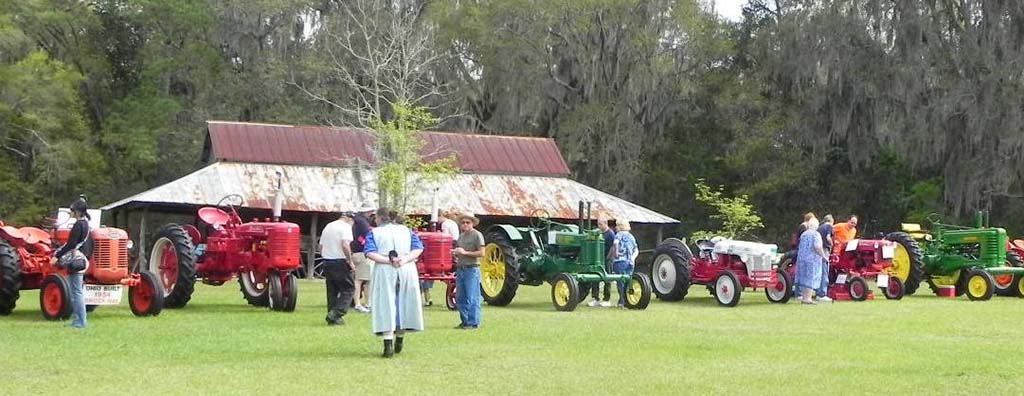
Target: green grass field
<point>219,345</point>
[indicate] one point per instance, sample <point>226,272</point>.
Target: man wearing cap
<point>364,267</point>
<point>396,289</point>
<point>335,248</point>
<point>468,251</point>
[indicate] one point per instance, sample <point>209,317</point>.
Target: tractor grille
<point>110,253</point>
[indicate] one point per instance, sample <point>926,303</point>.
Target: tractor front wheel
<point>727,289</point>
<point>979,285</point>
<point>638,291</point>
<point>55,298</point>
<point>275,292</point>
<point>895,290</point>
<point>147,297</point>
<point>499,277</point>
<point>10,278</point>
<point>254,288</point>
<point>565,292</point>
<point>449,296</point>
<point>291,292</point>
<point>670,270</point>
<point>173,261</point>
<point>781,291</point>
<point>858,289</point>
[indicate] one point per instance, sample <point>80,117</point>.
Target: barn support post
<point>311,253</point>
<point>660,236</point>
<point>141,247</point>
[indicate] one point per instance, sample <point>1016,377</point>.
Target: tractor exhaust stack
<point>278,199</point>
<point>580,217</point>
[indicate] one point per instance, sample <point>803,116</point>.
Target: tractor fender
<point>513,234</point>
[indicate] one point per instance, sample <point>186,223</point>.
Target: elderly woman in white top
<point>396,290</point>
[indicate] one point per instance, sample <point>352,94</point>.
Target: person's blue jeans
<point>467,295</point>
<point>76,282</point>
<point>622,267</point>
<point>822,290</point>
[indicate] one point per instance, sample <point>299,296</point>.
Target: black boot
<point>389,348</point>
<point>398,344</point>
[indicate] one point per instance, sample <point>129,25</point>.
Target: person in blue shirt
<point>397,307</point>
<point>625,249</point>
<point>826,231</point>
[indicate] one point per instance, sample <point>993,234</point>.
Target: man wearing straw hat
<point>468,251</point>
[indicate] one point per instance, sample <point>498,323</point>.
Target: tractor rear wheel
<point>908,262</point>
<point>1006,285</point>
<point>275,292</point>
<point>895,290</point>
<point>254,288</point>
<point>173,261</point>
<point>670,270</point>
<point>147,297</point>
<point>499,277</point>
<point>782,290</point>
<point>978,285</point>
<point>10,278</point>
<point>55,297</point>
<point>638,291</point>
<point>858,289</point>
<point>565,292</point>
<point>727,289</point>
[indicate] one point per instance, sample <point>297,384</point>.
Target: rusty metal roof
<point>326,146</point>
<point>333,189</point>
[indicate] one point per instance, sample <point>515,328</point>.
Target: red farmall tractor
<point>725,266</point>
<point>1004,283</point>
<point>25,255</point>
<point>262,254</point>
<point>435,264</point>
<point>894,263</point>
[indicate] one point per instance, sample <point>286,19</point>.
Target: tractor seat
<point>214,216</point>
<point>705,247</point>
<point>1019,243</point>
<point>12,234</point>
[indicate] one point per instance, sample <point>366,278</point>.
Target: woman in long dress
<point>810,257</point>
<point>397,307</point>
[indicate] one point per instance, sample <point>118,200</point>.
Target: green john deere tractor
<point>568,256</point>
<point>966,258</point>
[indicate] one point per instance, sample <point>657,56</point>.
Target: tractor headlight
<point>130,244</point>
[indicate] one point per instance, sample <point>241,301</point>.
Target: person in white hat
<point>361,226</point>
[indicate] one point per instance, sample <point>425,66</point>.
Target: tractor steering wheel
<point>539,217</point>
<point>934,218</point>
<point>229,202</point>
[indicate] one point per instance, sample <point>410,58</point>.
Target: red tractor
<point>894,263</point>
<point>262,254</point>
<point>725,266</point>
<point>1004,283</point>
<point>435,264</point>
<point>25,255</point>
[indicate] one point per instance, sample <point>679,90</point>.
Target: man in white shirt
<point>338,267</point>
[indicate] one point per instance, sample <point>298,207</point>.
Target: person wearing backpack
<point>79,243</point>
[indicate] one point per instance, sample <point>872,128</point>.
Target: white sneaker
<point>824,299</point>
<point>593,303</point>
<point>606,304</point>
<point>361,309</point>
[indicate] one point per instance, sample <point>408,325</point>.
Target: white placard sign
<point>883,280</point>
<point>841,279</point>
<point>103,294</point>
<point>888,252</point>
<point>852,245</point>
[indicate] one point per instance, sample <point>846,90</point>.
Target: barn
<point>326,170</point>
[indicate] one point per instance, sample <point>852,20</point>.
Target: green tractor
<point>568,256</point>
<point>969,259</point>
